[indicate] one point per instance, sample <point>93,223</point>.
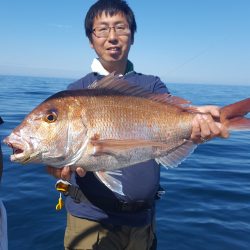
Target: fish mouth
<point>19,153</point>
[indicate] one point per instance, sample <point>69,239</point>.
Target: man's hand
<point>204,126</point>
<point>65,172</point>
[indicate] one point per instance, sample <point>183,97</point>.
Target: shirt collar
<point>97,67</point>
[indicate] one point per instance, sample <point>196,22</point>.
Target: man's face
<point>113,48</point>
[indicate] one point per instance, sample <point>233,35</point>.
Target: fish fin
<point>232,116</point>
<point>169,99</point>
<point>239,123</point>
<point>176,101</point>
<point>120,85</point>
<point>114,147</point>
<point>177,155</point>
<point>117,172</point>
<point>109,181</point>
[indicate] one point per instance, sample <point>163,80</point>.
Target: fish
<point>111,125</point>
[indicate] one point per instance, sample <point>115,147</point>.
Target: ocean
<point>207,200</point>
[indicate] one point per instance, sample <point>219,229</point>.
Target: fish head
<point>53,133</point>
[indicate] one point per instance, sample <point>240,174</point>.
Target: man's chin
<point>115,58</point>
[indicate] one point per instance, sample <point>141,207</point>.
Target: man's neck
<point>117,67</point>
<point>97,66</point>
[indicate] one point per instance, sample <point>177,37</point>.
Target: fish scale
<point>113,118</point>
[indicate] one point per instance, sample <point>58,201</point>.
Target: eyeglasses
<point>103,31</point>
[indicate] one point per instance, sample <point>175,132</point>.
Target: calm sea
<point>207,203</point>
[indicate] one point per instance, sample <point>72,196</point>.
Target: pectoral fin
<point>110,181</point>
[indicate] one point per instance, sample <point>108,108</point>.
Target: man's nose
<point>112,34</point>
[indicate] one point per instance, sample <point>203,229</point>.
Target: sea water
<point>207,200</point>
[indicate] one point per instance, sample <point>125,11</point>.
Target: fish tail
<point>233,115</point>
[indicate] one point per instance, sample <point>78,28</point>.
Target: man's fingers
<point>81,172</point>
<point>204,127</point>
<point>196,130</point>
<point>56,172</point>
<point>214,129</point>
<point>212,109</point>
<point>59,173</point>
<point>224,133</point>
<point>66,173</point>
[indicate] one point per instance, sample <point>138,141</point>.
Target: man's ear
<point>91,44</point>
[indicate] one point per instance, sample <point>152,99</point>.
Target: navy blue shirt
<point>140,182</point>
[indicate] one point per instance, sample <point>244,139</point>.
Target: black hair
<point>109,7</point>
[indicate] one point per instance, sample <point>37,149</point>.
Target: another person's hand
<point>65,172</point>
<point>204,126</point>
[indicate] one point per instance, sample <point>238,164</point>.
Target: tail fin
<point>232,116</point>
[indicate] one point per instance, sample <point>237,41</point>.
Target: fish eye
<point>51,117</point>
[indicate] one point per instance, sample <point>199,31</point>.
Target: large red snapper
<point>109,126</point>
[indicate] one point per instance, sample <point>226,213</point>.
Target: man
<point>3,217</point>
<point>106,220</point>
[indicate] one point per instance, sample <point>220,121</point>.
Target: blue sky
<point>188,41</point>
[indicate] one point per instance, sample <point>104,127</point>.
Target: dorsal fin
<point>119,85</point>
